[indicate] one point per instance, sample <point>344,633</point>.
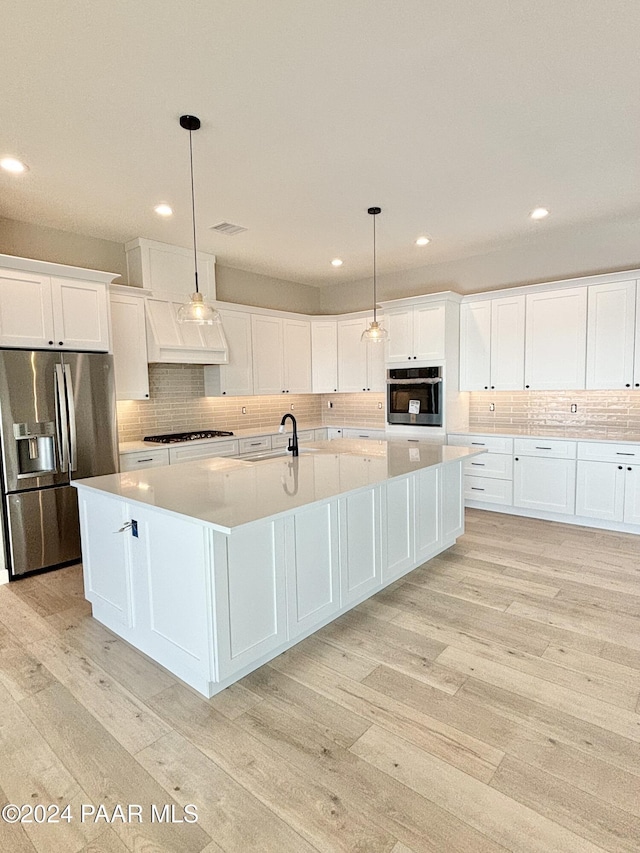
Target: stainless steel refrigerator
<point>57,424</point>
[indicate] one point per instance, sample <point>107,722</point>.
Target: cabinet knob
<point>146,395</point>
<point>50,343</point>
<point>628,468</point>
<point>409,357</point>
<point>628,385</point>
<point>526,386</point>
<point>637,384</point>
<point>517,459</point>
<point>493,387</point>
<point>335,389</point>
<point>60,343</point>
<point>619,467</point>
<point>364,389</point>
<point>415,357</point>
<point>486,387</point>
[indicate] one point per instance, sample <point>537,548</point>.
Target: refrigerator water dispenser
<point>35,448</point>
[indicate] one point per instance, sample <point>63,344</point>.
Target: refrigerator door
<point>32,420</point>
<point>43,529</point>
<point>91,406</point>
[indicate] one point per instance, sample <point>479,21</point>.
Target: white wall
<point>545,255</point>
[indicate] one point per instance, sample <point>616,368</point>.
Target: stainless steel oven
<point>414,396</point>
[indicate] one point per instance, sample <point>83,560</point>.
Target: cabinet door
<point>507,343</point>
<point>475,346</point>
<point>129,345</point>
<point>360,562</point>
<point>250,597</point>
<point>399,324</point>
<point>398,526</point>
<point>106,562</point>
<point>556,338</point>
<point>297,356</point>
<point>631,494</point>
<point>428,523</point>
<point>324,356</point>
<point>80,314</point>
<point>544,484</point>
<point>600,490</point>
<point>313,567</point>
<point>236,377</point>
<point>610,335</point>
<point>266,333</point>
<point>452,502</point>
<point>26,312</point>
<point>352,356</point>
<point>428,331</point>
<point>171,554</point>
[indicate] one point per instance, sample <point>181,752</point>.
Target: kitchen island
<point>214,567</point>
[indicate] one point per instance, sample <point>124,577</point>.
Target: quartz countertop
<point>228,493</point>
<point>573,433</point>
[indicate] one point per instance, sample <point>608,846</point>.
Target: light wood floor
<point>487,702</point>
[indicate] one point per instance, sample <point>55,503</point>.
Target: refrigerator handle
<point>73,451</point>
<point>62,429</point>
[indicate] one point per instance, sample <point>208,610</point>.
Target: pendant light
<point>375,334</point>
<point>196,310</point>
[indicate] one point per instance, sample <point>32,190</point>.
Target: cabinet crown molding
<point>14,262</point>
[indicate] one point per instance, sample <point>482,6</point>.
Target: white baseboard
<point>578,520</point>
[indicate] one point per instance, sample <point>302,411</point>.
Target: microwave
<point>415,396</point>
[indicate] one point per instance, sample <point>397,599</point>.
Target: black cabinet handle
<point>476,489</point>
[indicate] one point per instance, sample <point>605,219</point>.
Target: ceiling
<point>456,118</point>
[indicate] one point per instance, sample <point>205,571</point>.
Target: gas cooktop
<point>171,437</point>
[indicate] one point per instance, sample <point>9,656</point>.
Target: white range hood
<point>167,271</point>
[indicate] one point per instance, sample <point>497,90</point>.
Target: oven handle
<point>433,381</point>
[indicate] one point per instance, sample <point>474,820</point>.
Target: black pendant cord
<point>193,210</point>
<point>374,269</point>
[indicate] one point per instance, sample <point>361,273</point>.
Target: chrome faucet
<point>293,441</point>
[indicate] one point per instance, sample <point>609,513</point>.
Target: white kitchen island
<point>214,567</point>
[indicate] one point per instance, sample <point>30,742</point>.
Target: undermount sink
<point>280,453</point>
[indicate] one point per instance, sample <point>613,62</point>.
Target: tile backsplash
<point>177,403</point>
<point>549,412</point>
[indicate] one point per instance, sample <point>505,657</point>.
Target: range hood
<point>167,271</point>
<point>185,343</point>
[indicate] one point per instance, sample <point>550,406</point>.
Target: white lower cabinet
<point>609,491</point>
<point>313,567</point>
<point>544,483</point>
<point>173,628</point>
<point>488,490</point>
<point>203,451</point>
<point>360,544</point>
<point>250,596</point>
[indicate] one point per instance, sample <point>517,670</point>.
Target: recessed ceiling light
<point>163,210</point>
<point>336,262</point>
<point>10,164</point>
<point>539,213</point>
<point>422,241</point>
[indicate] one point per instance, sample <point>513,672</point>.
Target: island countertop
<point>229,493</point>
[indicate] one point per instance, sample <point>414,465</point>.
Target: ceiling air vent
<point>228,228</point>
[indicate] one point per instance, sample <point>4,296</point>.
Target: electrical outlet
<point>574,408</point>
<point>329,404</point>
<point>244,410</point>
<point>379,405</point>
<point>492,407</point>
<point>292,406</point>
<point>134,528</point>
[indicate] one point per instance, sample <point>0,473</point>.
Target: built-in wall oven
<point>414,396</point>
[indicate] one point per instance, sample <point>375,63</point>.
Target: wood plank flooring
<point>487,702</point>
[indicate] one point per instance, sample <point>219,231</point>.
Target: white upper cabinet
<point>80,314</point>
<point>162,267</point>
<point>492,344</point>
<point>281,355</point>
<point>416,333</point>
<point>475,346</point>
<point>49,311</point>
<point>234,379</point>
<point>610,335</point>
<point>360,365</point>
<point>129,344</point>
<point>324,356</point>
<point>556,338</point>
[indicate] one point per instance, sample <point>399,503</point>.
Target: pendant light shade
<point>196,310</point>
<point>375,334</point>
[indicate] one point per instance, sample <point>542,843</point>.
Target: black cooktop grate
<point>171,437</point>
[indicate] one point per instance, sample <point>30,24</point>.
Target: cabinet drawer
<point>363,433</point>
<point>144,459</point>
<point>488,490</point>
<point>253,445</point>
<point>544,447</point>
<point>203,451</point>
<point>282,439</point>
<point>597,452</point>
<point>493,443</point>
<point>498,465</point>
